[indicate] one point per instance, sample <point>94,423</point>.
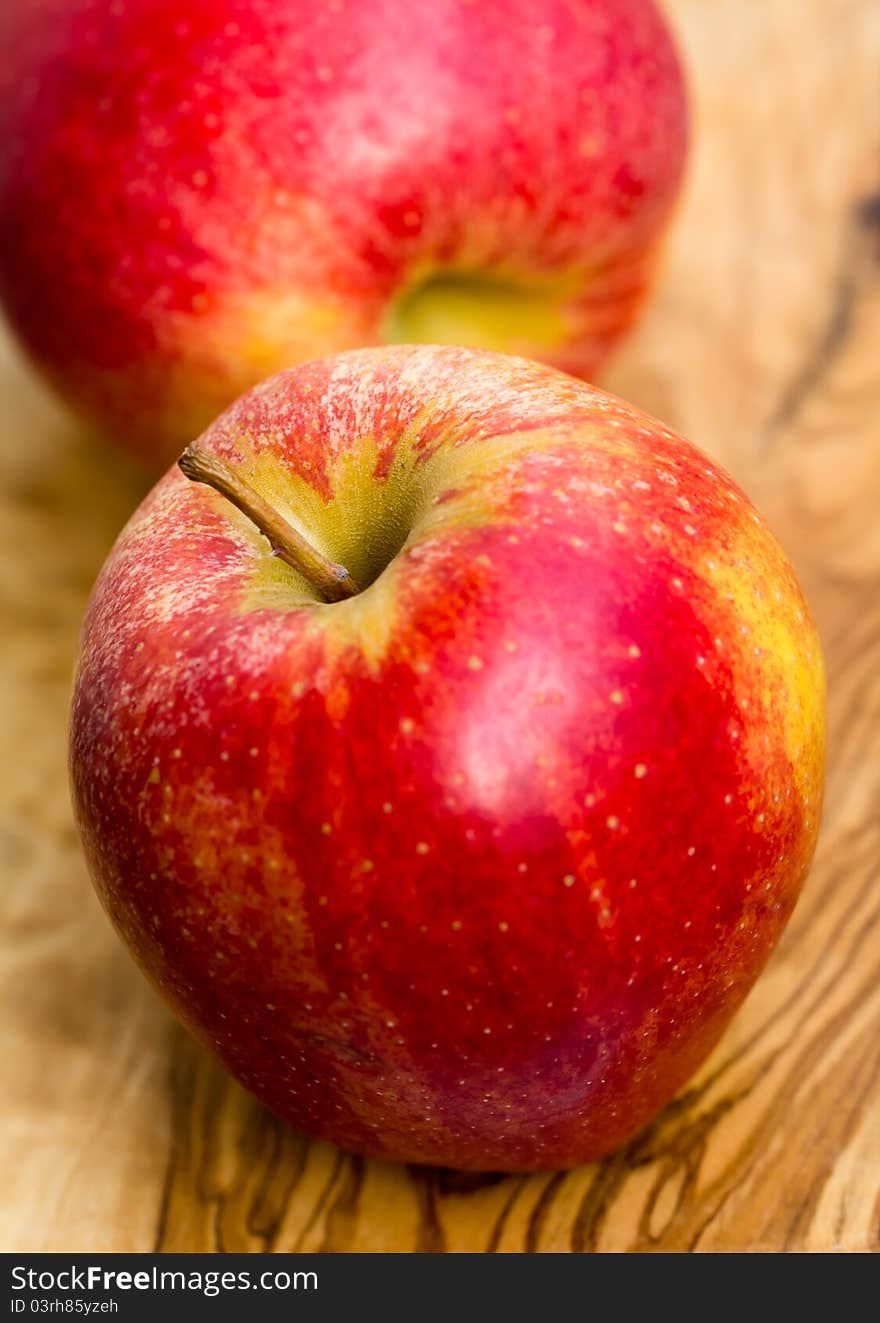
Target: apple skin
<point>474,868</point>
<point>193,198</point>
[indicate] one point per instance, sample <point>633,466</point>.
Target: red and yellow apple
<point>194,196</point>
<point>474,866</point>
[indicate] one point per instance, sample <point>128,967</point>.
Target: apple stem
<point>333,581</point>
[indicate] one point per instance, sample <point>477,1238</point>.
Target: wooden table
<point>762,344</point>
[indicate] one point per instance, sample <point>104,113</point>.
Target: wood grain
<point>762,345</point>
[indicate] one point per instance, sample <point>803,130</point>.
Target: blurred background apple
<point>194,196</point>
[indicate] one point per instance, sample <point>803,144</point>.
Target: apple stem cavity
<point>332,581</point>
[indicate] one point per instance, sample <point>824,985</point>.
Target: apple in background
<point>197,195</point>
<point>471,867</point>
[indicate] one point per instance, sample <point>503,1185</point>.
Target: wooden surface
<point>762,344</point>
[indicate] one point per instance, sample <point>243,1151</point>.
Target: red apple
<point>472,867</point>
<point>195,196</point>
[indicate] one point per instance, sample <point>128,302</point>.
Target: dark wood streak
<point>516,1187</point>
<point>281,1172</point>
<point>606,1184</point>
<point>541,1209</point>
<point>181,1094</point>
<point>857,268</point>
<point>682,1164</point>
<point>430,1238</point>
<point>875,1224</point>
<point>342,1212</point>
<point>868,215</point>
<point>338,1169</point>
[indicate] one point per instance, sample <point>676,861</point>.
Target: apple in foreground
<point>473,865</point>
<point>192,197</point>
